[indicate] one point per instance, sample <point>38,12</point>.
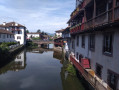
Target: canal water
<point>38,69</point>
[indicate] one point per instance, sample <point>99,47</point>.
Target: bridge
<point>39,42</point>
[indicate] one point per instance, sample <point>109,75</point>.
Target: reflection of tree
<point>15,65</point>
<point>58,55</point>
<point>69,82</point>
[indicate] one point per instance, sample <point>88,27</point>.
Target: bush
<point>71,70</point>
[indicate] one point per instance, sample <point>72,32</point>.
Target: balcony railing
<point>90,78</point>
<point>116,13</point>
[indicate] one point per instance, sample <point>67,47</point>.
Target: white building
<point>18,30</point>
<point>31,35</point>
<point>6,36</point>
<point>58,33</point>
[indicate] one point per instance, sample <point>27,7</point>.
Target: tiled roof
<point>60,30</point>
<point>5,32</point>
<point>11,24</point>
<point>33,33</point>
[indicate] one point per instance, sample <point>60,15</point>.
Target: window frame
<point>109,72</point>
<point>101,67</point>
<point>108,53</point>
<point>92,42</point>
<point>83,41</point>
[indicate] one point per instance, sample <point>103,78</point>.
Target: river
<point>38,69</point>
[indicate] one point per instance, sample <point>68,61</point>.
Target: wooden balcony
<point>102,19</point>
<point>116,13</point>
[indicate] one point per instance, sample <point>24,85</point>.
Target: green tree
<point>27,31</point>
<point>38,31</point>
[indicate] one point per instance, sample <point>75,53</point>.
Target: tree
<point>38,31</point>
<point>27,31</point>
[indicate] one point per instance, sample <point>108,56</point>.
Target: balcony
<point>102,19</point>
<point>116,13</point>
<point>77,28</point>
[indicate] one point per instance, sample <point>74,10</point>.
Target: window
<point>77,55</point>
<point>18,32</point>
<point>72,44</point>
<point>117,2</point>
<point>83,41</point>
<point>18,37</point>
<point>80,57</point>
<point>112,79</point>
<point>92,42</point>
<point>7,36</point>
<point>77,40</point>
<point>18,57</point>
<point>3,36</point>
<point>107,47</point>
<point>99,70</point>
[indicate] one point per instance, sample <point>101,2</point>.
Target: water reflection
<point>68,82</point>
<point>46,71</point>
<point>19,63</point>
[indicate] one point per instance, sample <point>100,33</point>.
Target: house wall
<point>97,56</point>
<point>58,34</point>
<point>22,34</point>
<point>4,38</point>
<point>33,35</point>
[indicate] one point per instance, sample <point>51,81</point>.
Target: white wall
<point>97,56</point>
<point>4,38</point>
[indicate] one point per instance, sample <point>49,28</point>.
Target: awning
<point>85,63</point>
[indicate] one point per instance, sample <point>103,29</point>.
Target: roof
<point>60,30</point>
<point>45,36</point>
<point>33,33</point>
<point>11,24</point>
<point>5,32</point>
<point>66,29</point>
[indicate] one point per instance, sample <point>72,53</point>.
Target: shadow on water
<point>70,82</point>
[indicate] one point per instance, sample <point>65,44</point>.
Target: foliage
<point>32,45</point>
<point>8,43</point>
<point>71,70</point>
<point>38,31</point>
<point>27,31</point>
<point>35,38</point>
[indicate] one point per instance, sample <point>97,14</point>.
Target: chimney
<point>4,23</point>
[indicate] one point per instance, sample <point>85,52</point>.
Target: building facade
<point>31,35</point>
<point>94,42</point>
<point>6,36</point>
<point>58,33</point>
<point>18,30</point>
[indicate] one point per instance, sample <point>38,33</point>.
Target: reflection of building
<point>18,64</point>
<point>20,61</point>
<point>59,56</point>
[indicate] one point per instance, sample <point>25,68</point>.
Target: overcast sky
<point>47,15</point>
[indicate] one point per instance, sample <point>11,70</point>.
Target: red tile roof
<point>60,30</point>
<point>33,33</point>
<point>11,24</point>
<point>5,32</point>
